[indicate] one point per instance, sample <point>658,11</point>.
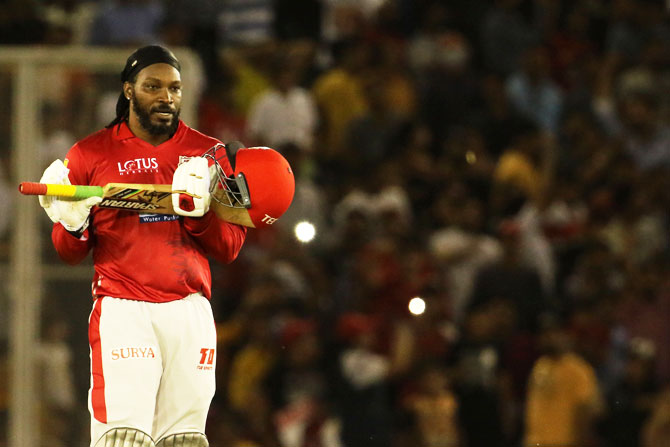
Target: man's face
<point>155,98</point>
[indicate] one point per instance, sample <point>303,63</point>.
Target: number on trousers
<point>206,355</point>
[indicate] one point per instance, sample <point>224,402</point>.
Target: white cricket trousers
<point>152,365</point>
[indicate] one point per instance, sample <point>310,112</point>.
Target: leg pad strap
<point>191,439</point>
<point>125,437</point>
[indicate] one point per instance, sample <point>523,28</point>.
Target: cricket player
<point>151,331</point>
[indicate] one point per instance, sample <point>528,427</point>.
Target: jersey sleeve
<point>71,249</point>
<point>220,239</point>
<point>76,163</point>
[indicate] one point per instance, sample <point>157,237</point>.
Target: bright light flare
<point>305,232</point>
<point>417,306</point>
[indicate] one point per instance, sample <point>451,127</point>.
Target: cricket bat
<point>144,198</point>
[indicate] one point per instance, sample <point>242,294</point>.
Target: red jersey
<point>146,257</point>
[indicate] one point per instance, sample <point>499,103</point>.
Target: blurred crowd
<point>505,161</point>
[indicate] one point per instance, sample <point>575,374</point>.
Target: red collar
<point>122,132</point>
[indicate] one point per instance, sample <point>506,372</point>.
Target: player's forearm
<point>70,249</point>
<point>221,240</point>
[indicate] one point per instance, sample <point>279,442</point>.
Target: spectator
<point>630,108</point>
<point>298,387</point>
<point>57,137</point>
<point>248,74</point>
<point>533,92</point>
<point>521,170</point>
<point>249,368</point>
<point>352,222</point>
<point>633,24</point>
<point>246,23</point>
<point>435,408</point>
<point>462,247</point>
<point>499,121</point>
<point>217,114</point>
<point>390,66</point>
<point>286,113</point>
<point>643,310</point>
<point>535,248</point>
<point>510,282</point>
<point>637,233</point>
<point>563,399</point>
<point>363,399</point>
<point>631,401</point>
<point>646,137</point>
<point>197,23</point>
<point>571,46</point>
<point>656,429</point>
<point>373,137</point>
<point>345,19</point>
<point>54,356</point>
<point>479,384</point>
<point>447,85</point>
<point>340,98</point>
<point>505,34</point>
<point>125,22</point>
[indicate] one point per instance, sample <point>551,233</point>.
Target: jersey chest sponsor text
<point>138,165</point>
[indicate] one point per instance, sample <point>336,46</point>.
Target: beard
<point>144,118</point>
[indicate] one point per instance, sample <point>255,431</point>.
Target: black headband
<point>141,58</point>
<point>145,56</point>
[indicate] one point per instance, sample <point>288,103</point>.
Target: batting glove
<point>72,214</point>
<point>190,186</point>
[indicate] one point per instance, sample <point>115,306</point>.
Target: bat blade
<point>152,198</point>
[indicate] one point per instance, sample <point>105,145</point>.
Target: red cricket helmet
<point>262,181</point>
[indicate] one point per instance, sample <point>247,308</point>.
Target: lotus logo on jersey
<point>138,165</point>
<point>144,352</point>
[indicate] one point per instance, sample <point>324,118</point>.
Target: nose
<point>165,96</point>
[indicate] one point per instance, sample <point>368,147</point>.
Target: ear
<point>127,89</point>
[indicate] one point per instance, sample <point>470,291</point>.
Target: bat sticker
<point>128,205</point>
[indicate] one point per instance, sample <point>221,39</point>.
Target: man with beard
<point>151,331</point>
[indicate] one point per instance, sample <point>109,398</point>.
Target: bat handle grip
<point>32,188</point>
<point>74,192</point>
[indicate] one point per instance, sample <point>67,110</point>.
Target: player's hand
<point>190,186</point>
<point>55,174</point>
<point>72,214</point>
